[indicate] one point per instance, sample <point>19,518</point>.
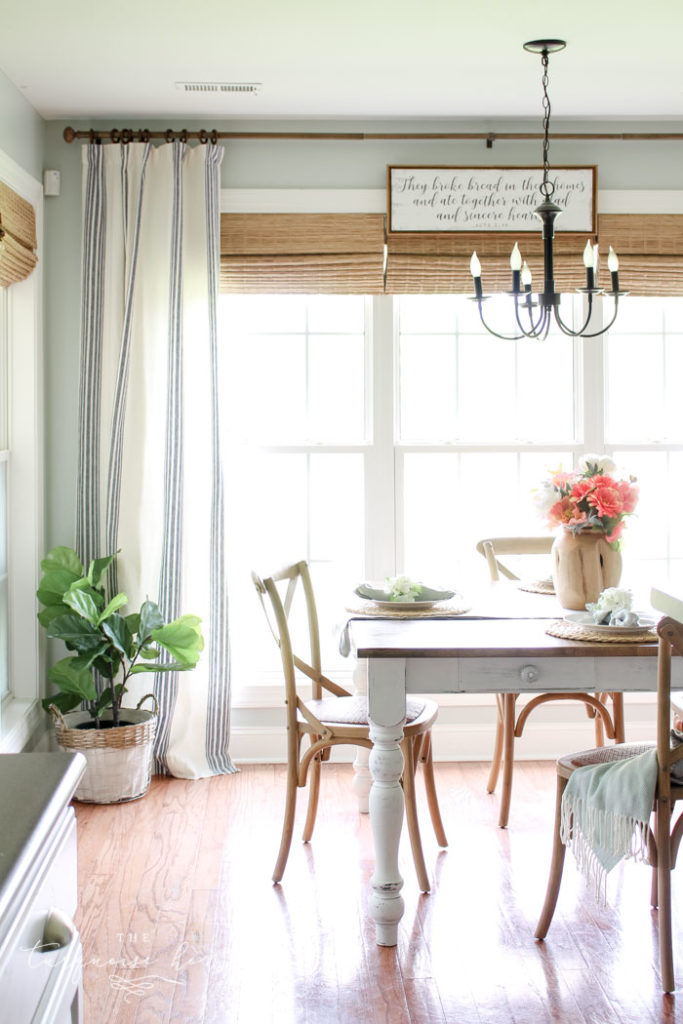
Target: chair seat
<point>354,711</point>
<point>599,755</point>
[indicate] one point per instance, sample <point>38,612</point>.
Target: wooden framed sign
<point>488,199</point>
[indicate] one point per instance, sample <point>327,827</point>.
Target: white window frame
<point>21,716</point>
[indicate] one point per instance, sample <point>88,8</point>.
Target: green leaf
<point>84,584</point>
<point>108,666</point>
<point>64,701</point>
<point>118,632</point>
<point>98,569</point>
<point>70,677</point>
<point>150,653</point>
<point>150,619</point>
<point>62,558</point>
<point>49,613</point>
<point>104,700</point>
<point>182,638</point>
<point>133,622</point>
<point>158,666</point>
<point>75,632</point>
<point>116,602</point>
<point>82,603</point>
<point>54,585</point>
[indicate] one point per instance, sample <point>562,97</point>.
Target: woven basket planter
<point>119,759</point>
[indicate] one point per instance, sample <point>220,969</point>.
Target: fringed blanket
<point>606,812</point>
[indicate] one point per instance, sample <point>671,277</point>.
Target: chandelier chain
<point>546,188</point>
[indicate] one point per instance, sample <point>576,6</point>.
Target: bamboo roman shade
<point>18,240</point>
<point>437,262</point>
<point>307,253</point>
<point>344,253</point>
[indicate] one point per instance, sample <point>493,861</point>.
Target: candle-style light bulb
<point>526,275</point>
<point>475,271</point>
<point>590,262</point>
<point>516,265</point>
<point>613,267</point>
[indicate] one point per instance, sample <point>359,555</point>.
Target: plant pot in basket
<point>119,760</point>
<point>108,648</point>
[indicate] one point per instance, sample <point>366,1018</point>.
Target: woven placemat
<point>537,586</point>
<point>575,631</point>
<point>442,610</point>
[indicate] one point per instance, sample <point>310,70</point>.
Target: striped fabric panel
<point>218,711</point>
<point>94,231</point>
<point>166,686</point>
<point>121,389</point>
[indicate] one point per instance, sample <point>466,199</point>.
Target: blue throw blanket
<point>606,811</point>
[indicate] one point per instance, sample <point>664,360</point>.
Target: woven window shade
<point>436,262</point>
<point>650,249</point>
<point>344,253</point>
<point>305,253</point>
<point>18,237</point>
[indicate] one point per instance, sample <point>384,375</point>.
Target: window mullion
<point>380,510</point>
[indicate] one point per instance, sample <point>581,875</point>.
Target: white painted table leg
<point>386,696</point>
<point>362,779</point>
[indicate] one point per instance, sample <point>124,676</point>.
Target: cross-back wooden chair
<point>664,840</point>
<point>509,723</point>
<point>334,716</point>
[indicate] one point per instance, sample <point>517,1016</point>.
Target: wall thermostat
<point>52,181</point>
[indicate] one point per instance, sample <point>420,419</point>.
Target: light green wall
<point>291,164</point>
<point>21,129</point>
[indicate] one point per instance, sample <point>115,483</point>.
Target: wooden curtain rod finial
<point>69,134</point>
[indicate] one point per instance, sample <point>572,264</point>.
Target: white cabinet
<point>40,951</point>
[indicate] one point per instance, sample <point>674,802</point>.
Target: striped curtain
<point>150,479</point>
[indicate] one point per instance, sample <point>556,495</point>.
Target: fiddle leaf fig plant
<point>106,643</point>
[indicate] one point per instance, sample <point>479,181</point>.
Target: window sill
<point>20,723</point>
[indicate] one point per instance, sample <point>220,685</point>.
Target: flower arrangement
<point>402,588</point>
<point>591,497</point>
<point>613,608</point>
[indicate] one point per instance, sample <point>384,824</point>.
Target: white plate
<point>586,619</point>
<point>380,597</point>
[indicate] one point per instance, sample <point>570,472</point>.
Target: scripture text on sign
<point>488,198</point>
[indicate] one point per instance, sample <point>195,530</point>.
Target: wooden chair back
<point>278,610</point>
<point>670,630</point>
<point>493,547</point>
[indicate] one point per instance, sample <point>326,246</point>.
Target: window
<point>4,454</point>
<point>353,422</point>
<point>21,472</point>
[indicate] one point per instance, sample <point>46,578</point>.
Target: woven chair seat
<point>354,710</point>
<point>599,755</point>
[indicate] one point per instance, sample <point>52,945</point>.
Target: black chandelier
<point>534,316</point>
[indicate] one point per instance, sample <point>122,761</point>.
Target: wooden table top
<point>464,637</point>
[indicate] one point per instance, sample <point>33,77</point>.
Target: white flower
<point>611,602</point>
<point>544,497</point>
<point>603,463</point>
<point>402,588</point>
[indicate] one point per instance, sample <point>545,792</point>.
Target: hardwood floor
<point>180,922</point>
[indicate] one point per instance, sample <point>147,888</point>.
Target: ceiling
<point>356,59</point>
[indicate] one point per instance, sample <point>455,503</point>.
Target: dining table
<point>498,643</point>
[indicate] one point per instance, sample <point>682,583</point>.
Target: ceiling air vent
<point>249,88</point>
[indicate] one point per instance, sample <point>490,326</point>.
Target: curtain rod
<point>202,135</point>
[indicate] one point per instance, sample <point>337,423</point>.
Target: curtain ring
<point>126,136</point>
<point>143,135</point>
<point>169,135</point>
<point>214,137</point>
<point>115,135</point>
<point>203,136</point>
<point>183,135</point>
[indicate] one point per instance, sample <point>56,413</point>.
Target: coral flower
<point>590,496</point>
<point>607,502</point>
